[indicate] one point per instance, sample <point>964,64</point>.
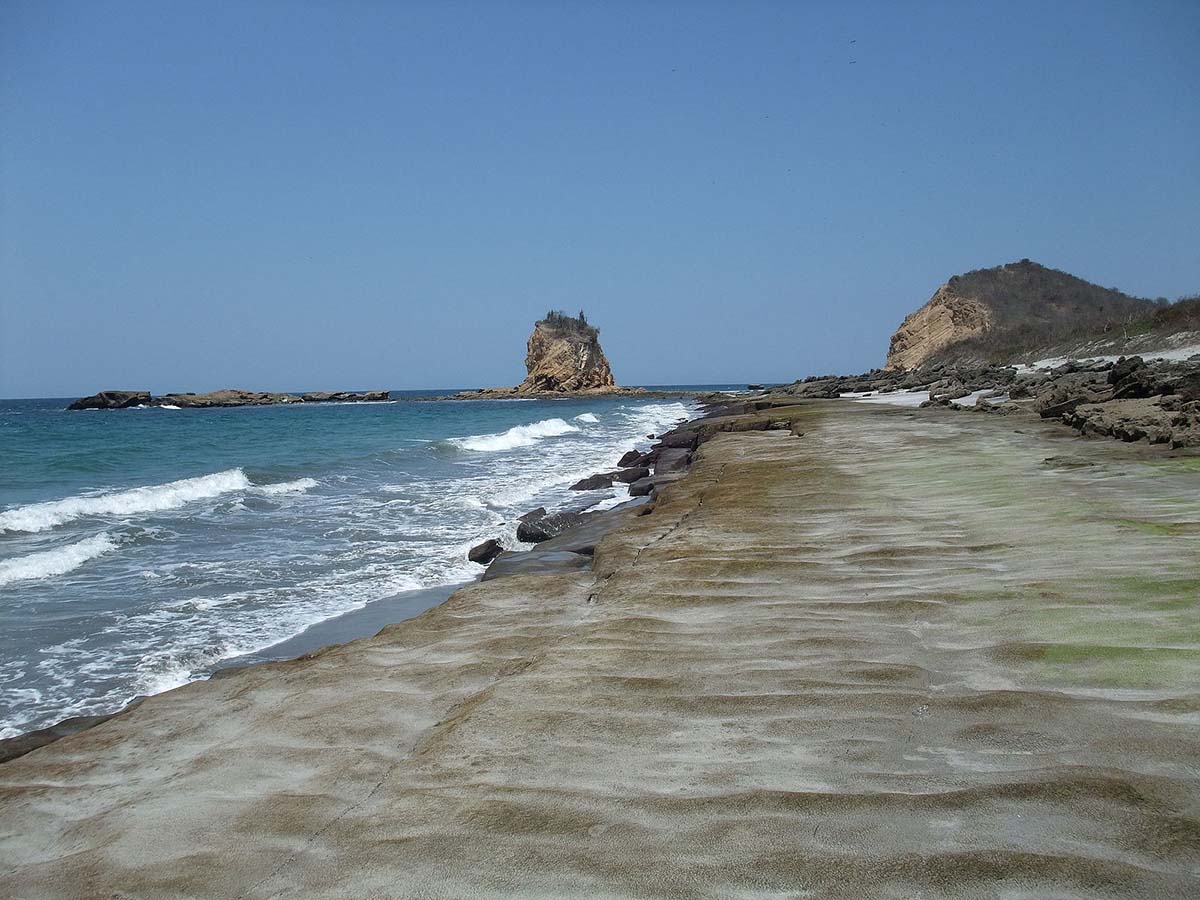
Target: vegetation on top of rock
<point>1003,313</point>
<point>559,320</point>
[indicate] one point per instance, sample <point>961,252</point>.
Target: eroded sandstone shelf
<point>898,655</point>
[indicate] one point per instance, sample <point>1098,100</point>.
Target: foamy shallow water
<point>139,548</point>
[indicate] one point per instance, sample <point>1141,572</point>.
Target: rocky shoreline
<point>223,398</point>
<point>1130,399</point>
<point>823,637</point>
<point>564,540</point>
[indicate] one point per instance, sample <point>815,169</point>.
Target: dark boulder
<point>648,458</point>
<point>629,459</point>
<point>593,482</point>
<point>628,476</point>
<point>537,526</point>
<point>1133,379</point>
<point>1124,367</point>
<point>484,553</point>
<point>112,400</point>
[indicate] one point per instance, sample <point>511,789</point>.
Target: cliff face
<point>1000,314</point>
<point>564,354</point>
<point>946,319</point>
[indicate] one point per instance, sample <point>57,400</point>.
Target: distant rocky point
<point>228,397</point>
<point>563,356</point>
<point>1006,313</point>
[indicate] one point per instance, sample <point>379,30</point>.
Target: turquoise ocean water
<point>139,548</point>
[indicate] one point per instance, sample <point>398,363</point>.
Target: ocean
<point>141,548</point>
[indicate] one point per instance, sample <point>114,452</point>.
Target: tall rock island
<point>564,355</point>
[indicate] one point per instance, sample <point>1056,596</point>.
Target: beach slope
<point>899,654</point>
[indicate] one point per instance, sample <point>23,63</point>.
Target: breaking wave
<point>153,498</point>
<point>299,486</point>
<point>517,436</point>
<point>58,561</point>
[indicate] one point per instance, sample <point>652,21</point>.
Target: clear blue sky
<point>289,195</point>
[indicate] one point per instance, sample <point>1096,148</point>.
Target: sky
<point>360,195</point>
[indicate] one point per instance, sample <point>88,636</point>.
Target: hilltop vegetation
<point>1008,312</point>
<point>559,321</point>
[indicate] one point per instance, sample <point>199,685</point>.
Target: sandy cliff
<point>946,319</point>
<point>1006,312</point>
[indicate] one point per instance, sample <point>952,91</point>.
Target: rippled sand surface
<point>899,656</point>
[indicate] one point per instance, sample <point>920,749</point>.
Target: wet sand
<point>898,656</point>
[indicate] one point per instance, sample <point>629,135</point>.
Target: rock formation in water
<point>222,398</point>
<point>996,315</point>
<point>564,355</point>
<point>113,400</point>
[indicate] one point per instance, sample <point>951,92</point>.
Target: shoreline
<point>365,622</point>
<point>763,651</point>
<point>567,552</point>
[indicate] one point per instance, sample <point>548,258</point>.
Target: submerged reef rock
<point>564,355</point>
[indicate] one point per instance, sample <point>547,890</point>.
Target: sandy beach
<point>898,654</point>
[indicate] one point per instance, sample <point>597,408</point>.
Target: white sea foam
<point>167,406</point>
<point>205,605</point>
<point>152,498</point>
<point>58,561</point>
<point>590,418</point>
<point>299,486</point>
<point>517,436</point>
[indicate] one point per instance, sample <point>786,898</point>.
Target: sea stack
<point>564,355</point>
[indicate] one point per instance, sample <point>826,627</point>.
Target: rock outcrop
<point>1131,399</point>
<point>222,398</point>
<point>564,355</point>
<point>947,318</point>
<point>1004,313</point>
<point>113,400</point>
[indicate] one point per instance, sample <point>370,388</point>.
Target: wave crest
<point>299,486</point>
<point>517,436</point>
<point>58,561</point>
<point>152,498</point>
